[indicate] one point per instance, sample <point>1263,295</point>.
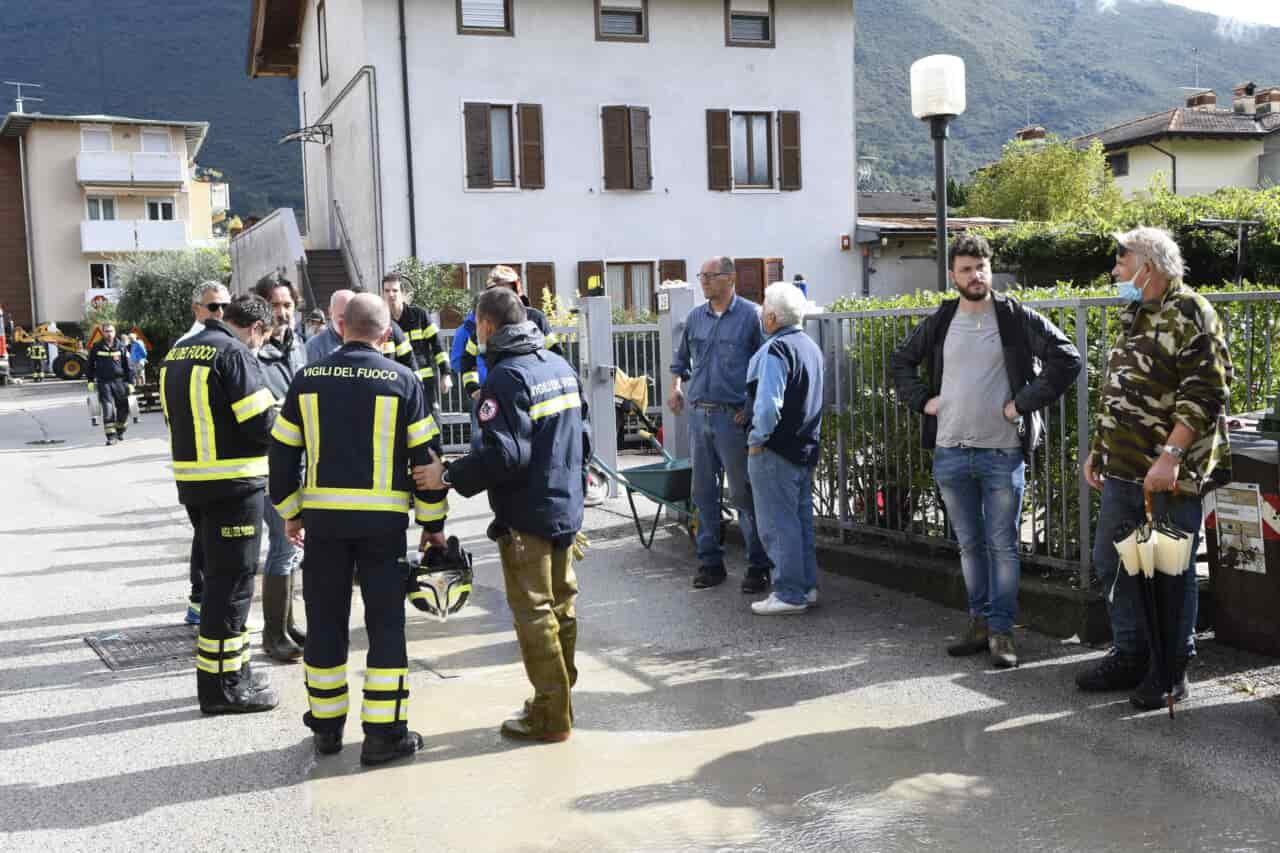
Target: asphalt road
<point>699,726</point>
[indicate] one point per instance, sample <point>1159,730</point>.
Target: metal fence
<point>874,480</point>
<point>636,352</point>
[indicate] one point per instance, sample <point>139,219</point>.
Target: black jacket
<point>535,441</point>
<point>1039,360</point>
<point>109,363</point>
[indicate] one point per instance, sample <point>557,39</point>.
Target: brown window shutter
<point>450,319</point>
<point>641,161</point>
<point>772,271</point>
<point>532,168</point>
<point>587,269</point>
<point>479,153</point>
<point>671,271</point>
<point>750,278</point>
<point>539,279</point>
<point>617,154</point>
<point>789,143</point>
<point>719,164</point>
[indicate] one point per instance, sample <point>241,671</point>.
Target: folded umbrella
<point>1173,556</point>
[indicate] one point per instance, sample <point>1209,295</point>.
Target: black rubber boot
<point>275,612</point>
<point>249,701</point>
<point>380,750</point>
<point>291,628</point>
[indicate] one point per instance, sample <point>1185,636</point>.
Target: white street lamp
<point>937,94</point>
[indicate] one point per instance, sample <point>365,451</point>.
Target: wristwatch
<point>444,477</point>
<point>1175,452</point>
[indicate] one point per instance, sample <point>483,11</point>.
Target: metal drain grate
<point>129,648</point>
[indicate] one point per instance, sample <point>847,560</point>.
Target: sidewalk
<point>700,726</point>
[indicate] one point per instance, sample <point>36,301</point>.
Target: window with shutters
<point>748,23</point>
<point>503,146</point>
<point>95,138</point>
<point>622,20</point>
<point>628,157</point>
<point>750,278</point>
<point>753,150</point>
<point>629,286</point>
<point>485,17</point>
<point>322,41</point>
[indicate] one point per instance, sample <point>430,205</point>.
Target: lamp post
<point>937,94</point>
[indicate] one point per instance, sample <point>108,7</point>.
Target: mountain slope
<point>1066,64</point>
<point>177,60</point>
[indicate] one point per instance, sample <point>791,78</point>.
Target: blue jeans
<point>1123,503</point>
<point>784,513</point>
<point>982,490</point>
<point>718,444</point>
<point>282,555</point>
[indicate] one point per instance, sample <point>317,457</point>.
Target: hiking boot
<point>1116,671</point>
<point>1150,695</point>
<point>523,728</point>
<point>708,576</point>
<point>250,701</point>
<point>755,582</point>
<point>1003,652</point>
<point>380,750</point>
<point>976,639</point>
<point>327,743</point>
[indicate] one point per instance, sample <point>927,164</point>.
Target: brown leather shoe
<point>519,728</point>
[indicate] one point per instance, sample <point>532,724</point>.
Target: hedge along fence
<point>873,478</point>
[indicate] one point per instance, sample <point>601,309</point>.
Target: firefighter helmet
<point>439,584</point>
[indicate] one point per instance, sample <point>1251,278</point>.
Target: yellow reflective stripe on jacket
<point>431,331</point>
<point>472,349</point>
<point>358,500</point>
<point>471,377</point>
<point>426,372</point>
<point>309,405</point>
<point>417,334</point>
<point>384,441</point>
<point>253,405</point>
<point>221,469</point>
<point>290,506</point>
<point>164,401</point>
<point>202,415</point>
<point>442,358</point>
<point>424,511</point>
<point>326,678</point>
<point>551,340</point>
<point>404,348</point>
<point>555,405</point>
<point>423,431</point>
<point>287,432</point>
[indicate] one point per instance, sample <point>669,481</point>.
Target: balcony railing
<point>130,235</point>
<point>122,167</point>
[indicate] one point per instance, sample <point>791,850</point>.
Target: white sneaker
<point>811,598</point>
<point>774,606</point>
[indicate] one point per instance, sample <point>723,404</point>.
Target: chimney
<point>1243,98</point>
<point>1030,133</point>
<point>1268,101</point>
<point>1206,100</point>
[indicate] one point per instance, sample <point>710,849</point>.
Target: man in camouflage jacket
<point>1161,429</point>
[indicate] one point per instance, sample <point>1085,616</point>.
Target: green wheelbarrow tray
<point>665,482</point>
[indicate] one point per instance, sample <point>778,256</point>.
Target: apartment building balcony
<point>124,167</point>
<point>132,235</point>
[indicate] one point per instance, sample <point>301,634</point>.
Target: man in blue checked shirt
<point>784,380</point>
<point>709,375</point>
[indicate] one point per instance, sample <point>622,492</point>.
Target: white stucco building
<point>624,139</point>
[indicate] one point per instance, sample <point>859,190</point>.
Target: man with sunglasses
<point>709,375</point>
<point>208,301</point>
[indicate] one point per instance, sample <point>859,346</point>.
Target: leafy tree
<point>433,286</point>
<point>1047,181</point>
<point>157,289</point>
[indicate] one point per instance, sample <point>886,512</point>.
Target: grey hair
<point>197,295</point>
<point>1157,246</point>
<point>785,301</point>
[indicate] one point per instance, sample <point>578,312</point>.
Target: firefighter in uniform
<point>534,445</point>
<point>396,347</point>
<point>361,420</point>
<point>220,413</point>
<point>111,375</point>
<point>424,337</point>
<point>466,352</point>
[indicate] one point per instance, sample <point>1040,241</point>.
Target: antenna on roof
<point>20,100</point>
<point>1195,56</point>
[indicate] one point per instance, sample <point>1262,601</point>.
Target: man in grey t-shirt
<point>981,417</point>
